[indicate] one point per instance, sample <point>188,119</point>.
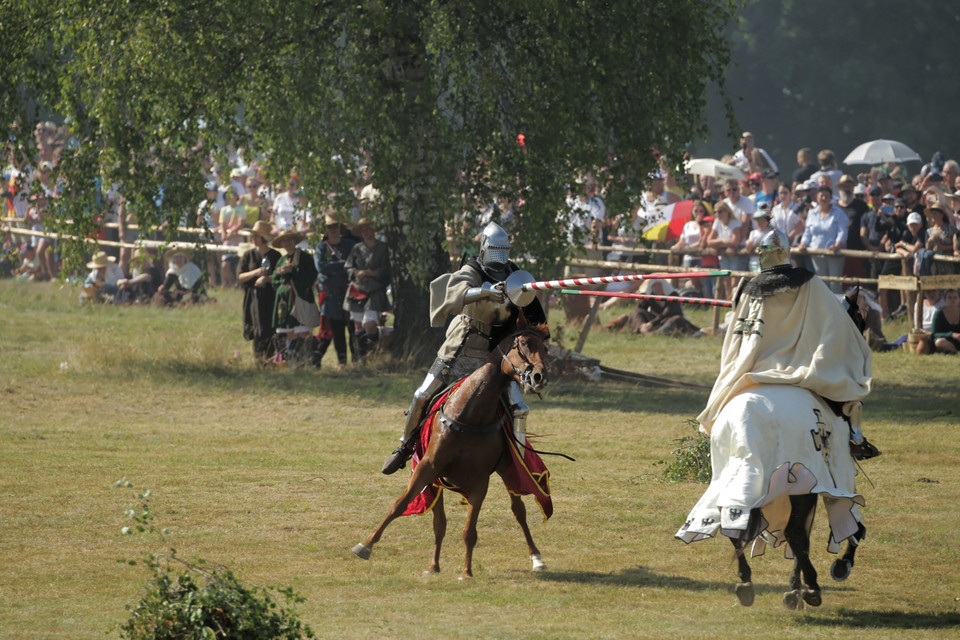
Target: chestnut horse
<point>469,444</point>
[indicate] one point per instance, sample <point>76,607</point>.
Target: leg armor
<point>519,409</point>
<point>432,383</point>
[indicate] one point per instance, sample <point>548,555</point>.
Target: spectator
<point>692,234</point>
<point>29,268</point>
<point>724,238</point>
<point>854,208</point>
<point>232,216</point>
<point>828,166</point>
<point>826,228</point>
<point>913,240</point>
<point>330,257</point>
<point>259,295</point>
<point>144,280</point>
<point>749,158</point>
<point>183,281</point>
<point>805,160</point>
<point>284,207</point>
<point>784,215</point>
<point>368,268</point>
<point>939,241</point>
<point>295,311</point>
<point>741,207</point>
<point>951,172</point>
<point>761,221</point>
<point>100,285</point>
<point>946,325</point>
<point>911,197</point>
<point>768,188</point>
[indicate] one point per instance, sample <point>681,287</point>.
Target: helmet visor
<point>496,255</point>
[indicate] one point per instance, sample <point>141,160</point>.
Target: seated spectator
<point>946,326</point>
<point>29,268</point>
<point>144,281</point>
<point>183,281</point>
<point>932,302</point>
<point>873,317</point>
<point>99,285</point>
<point>656,317</point>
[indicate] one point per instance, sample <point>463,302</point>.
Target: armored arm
<point>487,290</point>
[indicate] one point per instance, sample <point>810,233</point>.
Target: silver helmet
<point>774,249</point>
<point>494,247</point>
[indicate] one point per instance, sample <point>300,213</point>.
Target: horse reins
<point>525,374</point>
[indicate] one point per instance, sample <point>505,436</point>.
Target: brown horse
<point>469,443</point>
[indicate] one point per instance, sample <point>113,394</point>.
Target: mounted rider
<point>790,329</point>
<point>476,294</point>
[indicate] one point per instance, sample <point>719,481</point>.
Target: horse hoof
<point>812,597</point>
<point>362,551</point>
<point>792,600</point>
<point>840,569</point>
<point>430,572</point>
<point>745,593</point>
<point>538,564</point>
<point>464,578</point>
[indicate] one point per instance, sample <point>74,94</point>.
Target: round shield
<point>515,291</point>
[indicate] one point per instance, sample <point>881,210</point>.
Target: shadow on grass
<point>643,577</point>
<point>856,619</point>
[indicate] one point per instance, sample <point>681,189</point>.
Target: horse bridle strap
<point>525,374</point>
<point>456,425</point>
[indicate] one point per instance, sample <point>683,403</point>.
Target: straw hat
<point>263,229</point>
<point>329,220</point>
<point>363,222</point>
<point>100,259</point>
<point>288,233</point>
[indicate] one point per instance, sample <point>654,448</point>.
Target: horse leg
<point>424,474</point>
<point>520,513</point>
<point>470,528</point>
<point>842,566</point>
<point>744,588</point>
<point>796,533</point>
<point>439,530</point>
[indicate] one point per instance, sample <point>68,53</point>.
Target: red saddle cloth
<point>526,475</point>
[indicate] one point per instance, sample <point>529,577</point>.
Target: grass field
<point>276,476</point>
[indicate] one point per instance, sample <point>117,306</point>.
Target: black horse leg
<point>840,570</point>
<point>796,532</point>
<point>744,588</point>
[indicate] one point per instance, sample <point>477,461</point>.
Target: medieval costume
<point>768,437</point>
<point>259,297</point>
<point>295,312</point>
<point>330,258</point>
<point>474,294</point>
<point>183,281</point>
<point>368,270</point>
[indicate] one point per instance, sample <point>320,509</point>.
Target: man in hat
<point>101,283</point>
<point>368,270</point>
<point>330,258</point>
<point>295,310</point>
<point>484,316</point>
<point>259,296</point>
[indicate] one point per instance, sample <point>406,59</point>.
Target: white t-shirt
<point>743,210</point>
<point>690,234</point>
<point>785,219</point>
<point>725,231</point>
<point>284,206</point>
<point>928,312</point>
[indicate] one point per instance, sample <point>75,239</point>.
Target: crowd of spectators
<point>329,280</point>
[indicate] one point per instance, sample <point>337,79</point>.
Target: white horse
<point>774,449</point>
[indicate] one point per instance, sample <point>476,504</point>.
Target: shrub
<point>691,458</point>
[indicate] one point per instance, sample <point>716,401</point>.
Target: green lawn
<point>275,474</point>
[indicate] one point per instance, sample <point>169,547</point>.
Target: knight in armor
<point>790,329</point>
<point>475,294</point>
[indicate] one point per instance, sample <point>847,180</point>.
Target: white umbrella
<point>878,151</point>
<point>715,168</point>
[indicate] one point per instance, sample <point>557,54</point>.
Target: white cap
<point>914,218</point>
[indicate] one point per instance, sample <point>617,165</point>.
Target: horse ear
<point>543,330</point>
<point>522,321</point>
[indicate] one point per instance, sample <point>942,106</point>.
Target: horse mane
<point>543,329</point>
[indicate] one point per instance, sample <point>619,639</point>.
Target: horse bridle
<point>526,373</point>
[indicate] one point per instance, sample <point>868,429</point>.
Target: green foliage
<point>187,600</point>
<point>432,95</point>
<point>691,458</point>
<point>203,604</point>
